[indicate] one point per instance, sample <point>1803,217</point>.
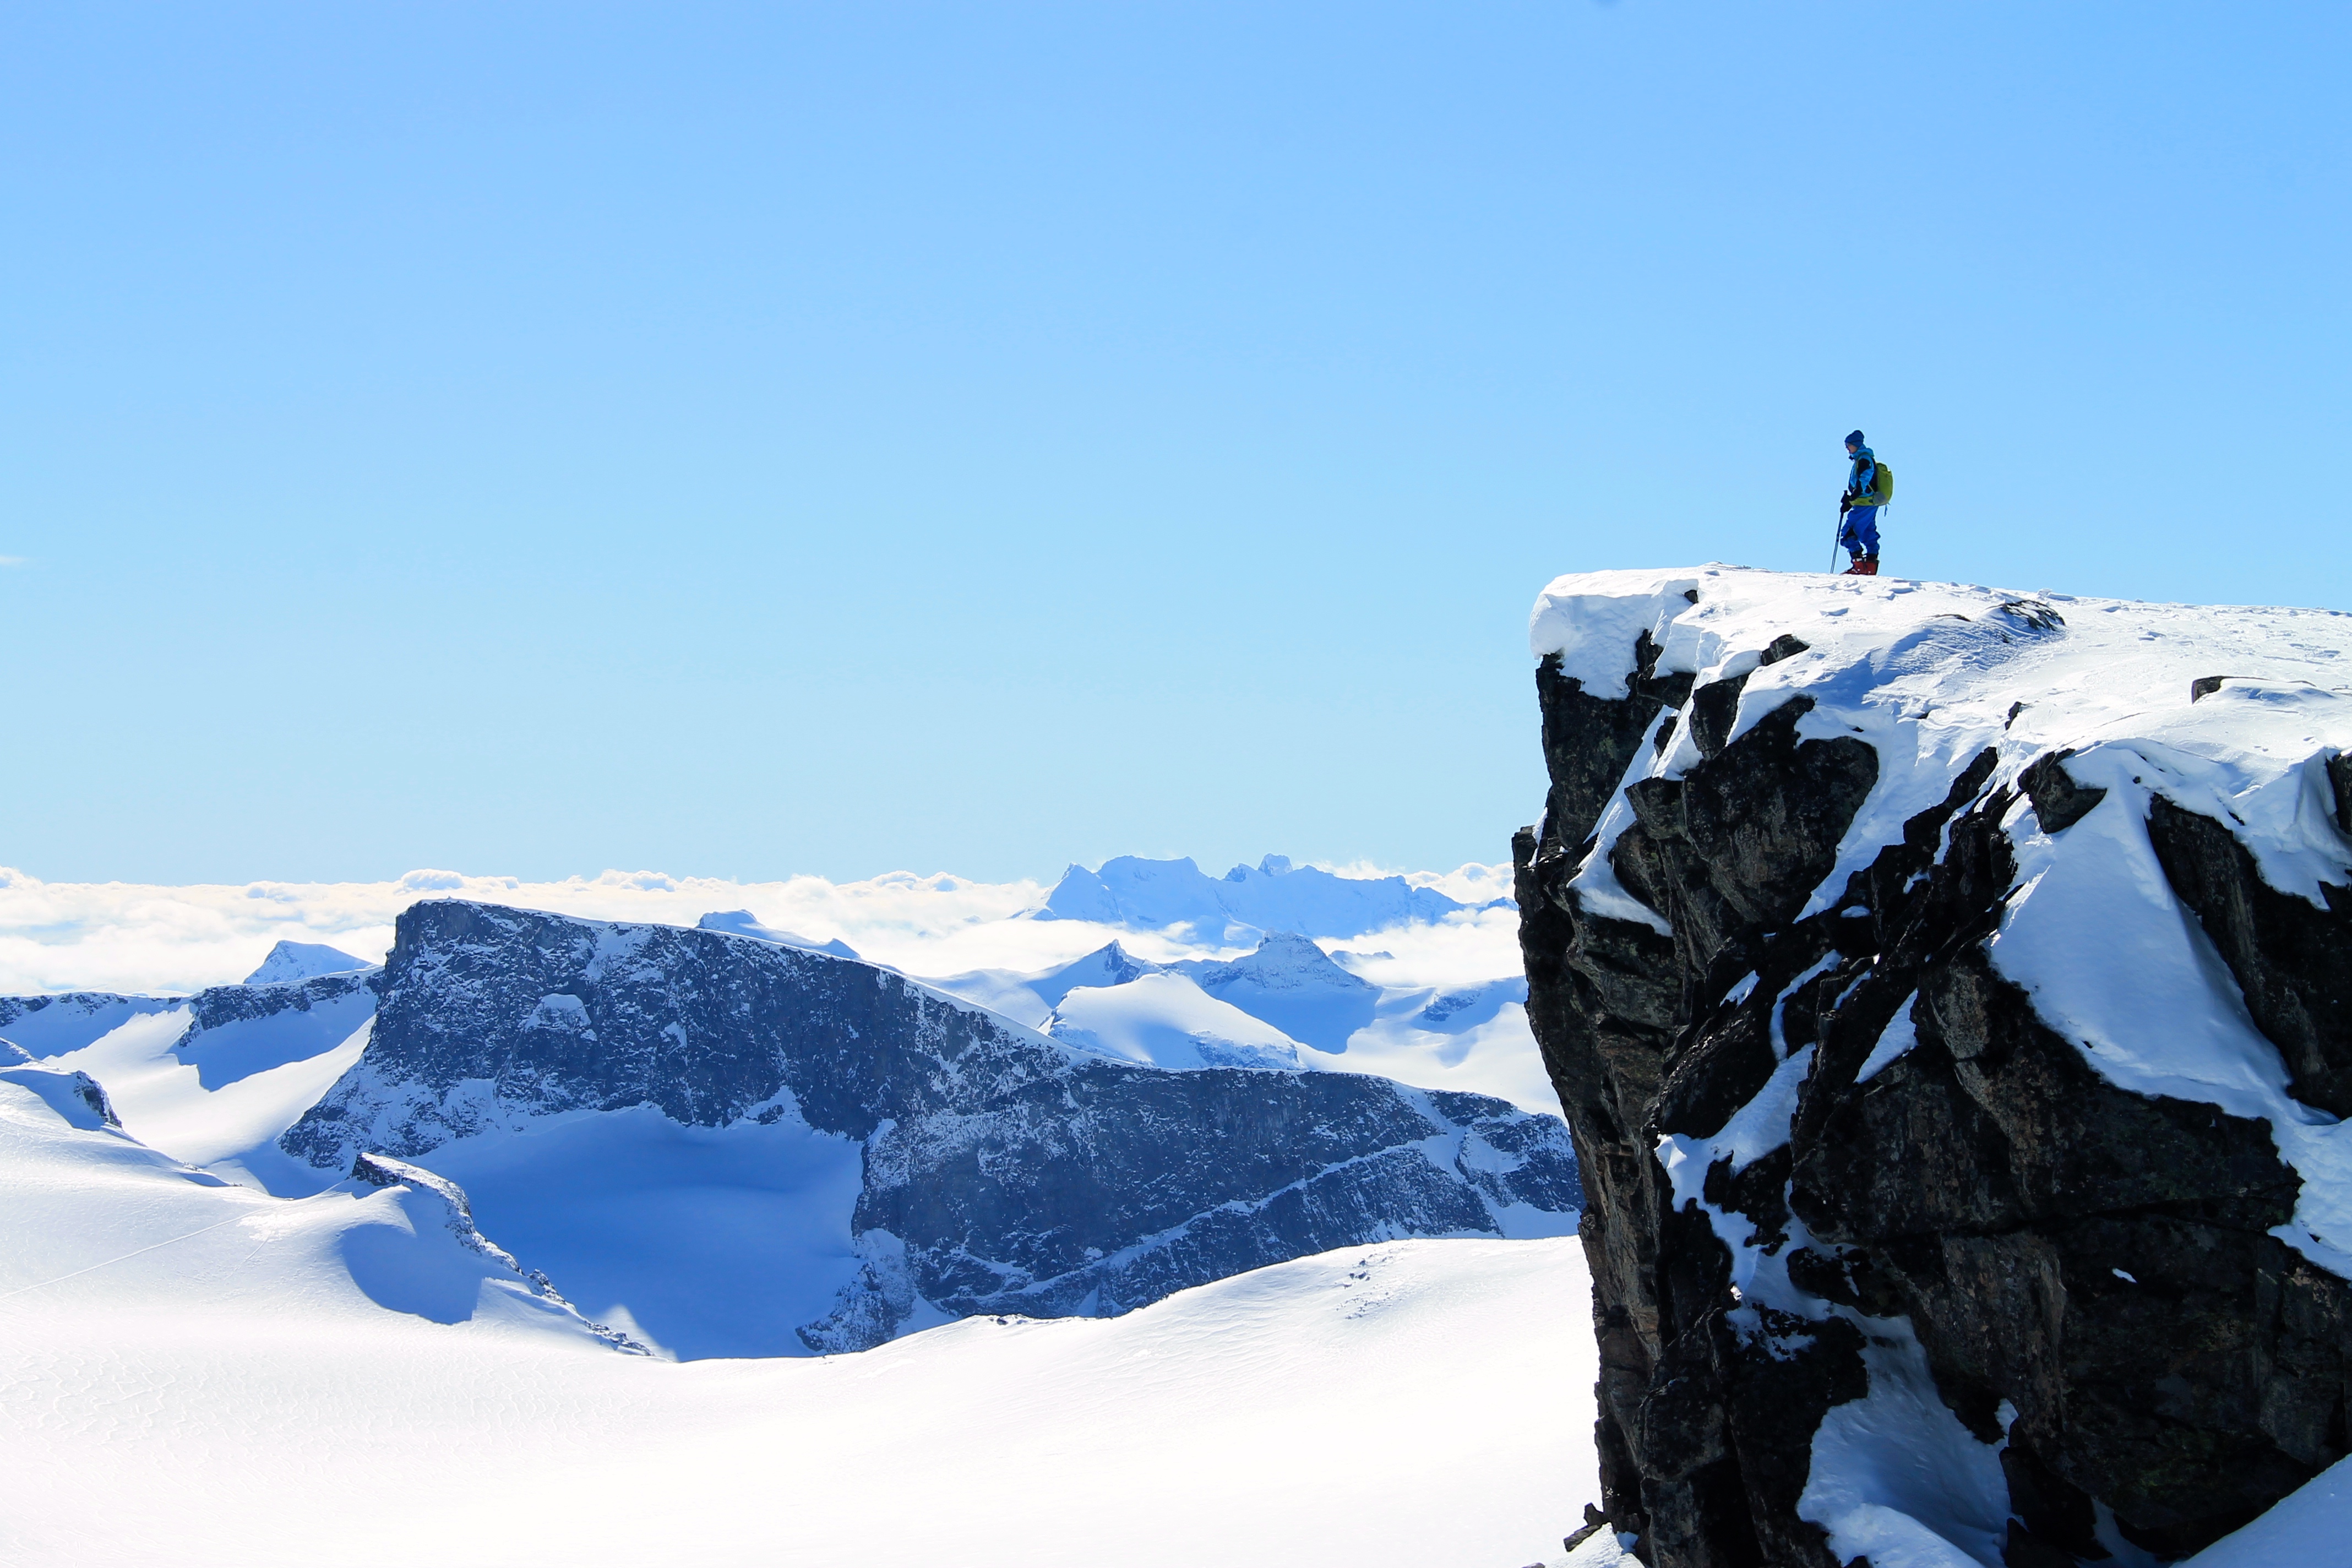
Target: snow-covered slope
<point>47,1025</point>
<point>1955,988</point>
<point>214,1079</point>
<point>300,961</point>
<point>190,1375</point>
<point>1030,999</point>
<point>1312,1008</point>
<point>102,1234</point>
<point>1170,1022</point>
<point>196,1371</point>
<point>1292,985</point>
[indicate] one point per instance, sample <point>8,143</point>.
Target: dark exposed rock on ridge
<point>298,1017</point>
<point>2088,1272</point>
<point>1003,1172</point>
<point>323,1010</point>
<point>2293,962</point>
<point>67,1020</point>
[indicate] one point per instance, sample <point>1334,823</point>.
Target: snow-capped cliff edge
<point>1950,995</point>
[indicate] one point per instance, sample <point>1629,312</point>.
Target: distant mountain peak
<point>1292,983</point>
<point>1273,895</point>
<point>1119,965</point>
<point>302,960</point>
<point>1284,961</point>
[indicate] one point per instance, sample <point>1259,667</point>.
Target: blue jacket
<point>1865,475</point>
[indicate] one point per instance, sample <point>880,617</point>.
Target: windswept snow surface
<point>100,1235</point>
<point>2312,1526</point>
<point>1931,674</point>
<point>196,1373</point>
<point>216,1094</point>
<point>699,1241</point>
<point>1170,1022</point>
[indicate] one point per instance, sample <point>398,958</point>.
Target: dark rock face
<point>1588,740</point>
<point>2293,958</point>
<point>1003,1172</point>
<point>2092,1266</point>
<point>2059,802</point>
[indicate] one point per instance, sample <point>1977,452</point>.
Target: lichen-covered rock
<point>1894,1061</point>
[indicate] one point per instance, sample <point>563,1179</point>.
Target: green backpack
<point>1882,487</point>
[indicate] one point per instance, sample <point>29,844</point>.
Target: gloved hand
<point>1845,505</point>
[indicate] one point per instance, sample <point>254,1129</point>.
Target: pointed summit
<point>300,961</point>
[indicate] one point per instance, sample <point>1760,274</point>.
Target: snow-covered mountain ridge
<point>1428,1025</point>
<point>1245,902</point>
<point>1948,990</point>
<point>975,1166</point>
<point>58,937</point>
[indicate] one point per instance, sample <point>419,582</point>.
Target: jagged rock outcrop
<point>75,1096</point>
<point>1003,1172</point>
<point>1889,1053</point>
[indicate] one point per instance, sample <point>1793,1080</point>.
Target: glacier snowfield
<point>198,1373</point>
<point>219,1354</point>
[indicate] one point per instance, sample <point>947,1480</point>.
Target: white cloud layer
<point>121,936</point>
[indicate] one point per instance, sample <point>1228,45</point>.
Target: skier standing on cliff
<point>1868,488</point>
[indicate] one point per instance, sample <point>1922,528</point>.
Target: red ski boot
<point>1864,566</point>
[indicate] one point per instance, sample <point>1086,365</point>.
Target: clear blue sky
<point>740,440</point>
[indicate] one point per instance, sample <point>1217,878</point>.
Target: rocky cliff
<point>1002,1171</point>
<point>1951,998</point>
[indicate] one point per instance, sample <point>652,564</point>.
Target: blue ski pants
<point>1859,534</point>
